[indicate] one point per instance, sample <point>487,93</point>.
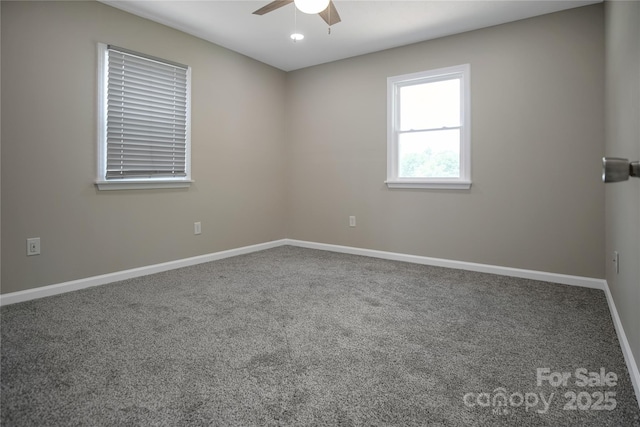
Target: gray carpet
<point>293,336</point>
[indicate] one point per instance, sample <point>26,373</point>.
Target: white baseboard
<point>74,285</point>
<point>632,366</point>
<point>586,282</point>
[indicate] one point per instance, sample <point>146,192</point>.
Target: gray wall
<point>537,94</point>
<point>49,149</point>
<point>293,155</point>
<point>622,26</point>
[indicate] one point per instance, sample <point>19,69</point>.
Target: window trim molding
<point>130,184</point>
<point>393,84</point>
<point>439,184</point>
<point>134,183</point>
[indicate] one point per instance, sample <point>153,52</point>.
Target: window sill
<point>435,185</point>
<point>142,185</point>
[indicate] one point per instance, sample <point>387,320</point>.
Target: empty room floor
<point>291,336</point>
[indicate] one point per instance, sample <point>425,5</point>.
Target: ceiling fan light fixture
<point>311,6</point>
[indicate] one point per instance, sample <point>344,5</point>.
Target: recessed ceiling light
<point>297,37</point>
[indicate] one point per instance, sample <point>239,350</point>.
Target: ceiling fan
<point>326,10</point>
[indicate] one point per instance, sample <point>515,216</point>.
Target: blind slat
<point>145,92</point>
<point>134,75</point>
<point>143,160</point>
<point>144,59</point>
<point>146,84</point>
<point>141,113</point>
<point>139,152</point>
<point>147,124</point>
<point>134,116</point>
<point>152,140</point>
<point>142,106</point>
<point>157,165</point>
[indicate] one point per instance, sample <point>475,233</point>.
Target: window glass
<point>429,154</point>
<point>430,105</point>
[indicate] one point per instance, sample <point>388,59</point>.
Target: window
<point>143,123</point>
<point>428,132</point>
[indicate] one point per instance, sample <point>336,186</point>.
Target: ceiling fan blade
<point>330,14</point>
<point>277,4</point>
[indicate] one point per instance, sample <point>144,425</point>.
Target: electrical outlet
<point>616,261</point>
<point>352,221</point>
<point>33,246</point>
<point>197,228</point>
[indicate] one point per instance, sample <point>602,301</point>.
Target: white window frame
<point>143,182</point>
<point>394,84</point>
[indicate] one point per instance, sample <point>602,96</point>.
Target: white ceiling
<point>367,25</point>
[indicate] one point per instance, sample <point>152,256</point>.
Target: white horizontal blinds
<point>146,117</point>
